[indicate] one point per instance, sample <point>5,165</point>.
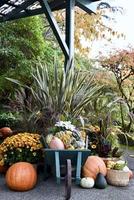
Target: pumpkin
<point>56,143</point>
<point>5,132</point>
<point>87,182</point>
<point>21,176</point>
<point>93,166</point>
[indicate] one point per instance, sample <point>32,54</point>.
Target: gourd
<point>5,132</point>
<point>21,176</point>
<point>87,182</point>
<point>93,166</point>
<point>56,143</point>
<point>100,181</point>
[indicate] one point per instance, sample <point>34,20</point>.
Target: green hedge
<point>8,119</point>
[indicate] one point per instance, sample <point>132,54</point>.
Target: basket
<point>117,177</point>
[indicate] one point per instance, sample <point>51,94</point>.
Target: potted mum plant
<point>21,147</point>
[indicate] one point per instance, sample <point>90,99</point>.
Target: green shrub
<point>8,119</point>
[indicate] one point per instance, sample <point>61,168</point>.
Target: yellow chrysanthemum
<point>2,162</point>
<point>93,146</point>
<point>30,141</point>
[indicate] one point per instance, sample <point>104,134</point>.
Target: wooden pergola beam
<point>54,25</point>
<point>25,9</point>
<point>85,5</point>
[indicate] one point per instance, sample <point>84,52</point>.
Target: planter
<point>117,177</point>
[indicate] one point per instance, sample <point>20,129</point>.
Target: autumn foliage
<point>122,66</point>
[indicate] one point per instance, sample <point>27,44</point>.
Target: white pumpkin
<point>126,169</point>
<point>87,182</point>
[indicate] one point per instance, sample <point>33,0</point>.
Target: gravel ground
<point>49,190</point>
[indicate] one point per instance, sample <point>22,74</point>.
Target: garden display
<point>21,176</point>
<point>77,148</point>
<point>66,136</point>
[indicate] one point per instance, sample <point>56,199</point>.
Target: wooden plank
<point>85,5</point>
<point>57,166</point>
<point>54,25</point>
<point>21,7</point>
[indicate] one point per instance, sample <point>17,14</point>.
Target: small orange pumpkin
<point>93,166</point>
<point>5,132</point>
<point>56,143</point>
<point>21,176</point>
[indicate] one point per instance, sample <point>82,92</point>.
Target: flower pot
<point>117,177</point>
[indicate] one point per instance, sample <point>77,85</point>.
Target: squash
<point>130,174</point>
<point>56,143</point>
<point>21,176</point>
<point>87,182</point>
<point>5,132</point>
<point>126,169</point>
<point>100,181</point>
<point>93,166</point>
<point>48,138</point>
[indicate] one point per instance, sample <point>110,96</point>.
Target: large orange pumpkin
<point>93,166</point>
<point>21,176</point>
<point>5,132</point>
